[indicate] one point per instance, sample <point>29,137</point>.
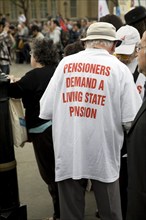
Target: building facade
<point>42,9</point>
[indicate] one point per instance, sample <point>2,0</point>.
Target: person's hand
<point>13,79</point>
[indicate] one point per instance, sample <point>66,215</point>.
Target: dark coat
<point>31,88</point>
<point>136,148</point>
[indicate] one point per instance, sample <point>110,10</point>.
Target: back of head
<point>130,39</point>
<point>35,28</point>
<point>56,22</point>
<point>112,19</point>
<point>45,52</point>
<point>73,48</point>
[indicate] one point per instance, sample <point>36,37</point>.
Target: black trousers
<point>44,153</point>
<point>123,180</point>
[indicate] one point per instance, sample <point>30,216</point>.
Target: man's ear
<point>113,47</point>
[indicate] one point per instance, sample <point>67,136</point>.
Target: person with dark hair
<point>55,21</point>
<point>136,17</point>
<point>44,59</point>
<point>112,19</point>
<point>75,32</point>
<point>55,35</point>
<point>73,48</point>
<point>55,31</point>
<point>35,32</point>
<point>84,25</point>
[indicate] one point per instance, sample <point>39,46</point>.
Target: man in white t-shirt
<point>89,98</point>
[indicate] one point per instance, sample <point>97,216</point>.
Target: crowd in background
<point>62,32</point>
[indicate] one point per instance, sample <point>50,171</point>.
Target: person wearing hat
<point>136,17</point>
<point>127,53</point>
<point>136,147</point>
<point>94,95</point>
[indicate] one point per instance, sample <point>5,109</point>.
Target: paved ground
<point>32,190</point>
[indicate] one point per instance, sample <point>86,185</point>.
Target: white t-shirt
<point>21,18</point>
<point>39,36</point>
<point>55,35</point>
<point>88,98</point>
<point>140,79</point>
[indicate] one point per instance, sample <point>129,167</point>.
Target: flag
<point>62,23</point>
<point>102,8</point>
<point>118,11</point>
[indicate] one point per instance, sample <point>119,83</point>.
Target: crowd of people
<point>85,111</point>
<point>62,32</point>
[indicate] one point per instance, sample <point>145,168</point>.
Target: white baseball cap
<point>130,38</point>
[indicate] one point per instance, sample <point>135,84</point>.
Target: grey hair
<point>94,43</point>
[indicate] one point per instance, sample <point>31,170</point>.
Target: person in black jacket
<point>44,59</point>
<point>136,147</point>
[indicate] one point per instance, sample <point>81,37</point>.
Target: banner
<point>102,8</point>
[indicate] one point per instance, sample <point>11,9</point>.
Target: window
<point>43,8</point>
<point>33,9</point>
<point>53,8</point>
<point>13,9</point>
<point>73,6</point>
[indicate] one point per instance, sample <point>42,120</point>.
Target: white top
<point>88,98</point>
<point>21,18</point>
<point>55,35</point>
<point>140,79</point>
<point>140,84</point>
<point>39,36</point>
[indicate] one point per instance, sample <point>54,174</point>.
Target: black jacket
<point>30,88</point>
<point>136,148</point>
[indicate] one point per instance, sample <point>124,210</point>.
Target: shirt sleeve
<point>130,98</point>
